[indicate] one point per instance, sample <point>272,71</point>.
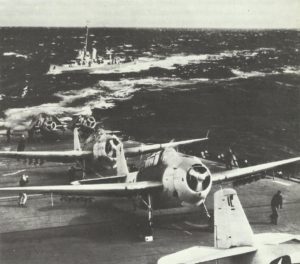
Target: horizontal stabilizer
<point>203,254</point>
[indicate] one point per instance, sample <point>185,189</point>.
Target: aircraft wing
<point>276,238</point>
<point>56,156</point>
<point>101,180</point>
<point>143,149</point>
<point>203,254</point>
<point>230,175</point>
<point>109,189</point>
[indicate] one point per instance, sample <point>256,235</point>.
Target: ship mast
<point>86,39</point>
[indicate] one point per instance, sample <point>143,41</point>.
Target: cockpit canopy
<point>106,146</point>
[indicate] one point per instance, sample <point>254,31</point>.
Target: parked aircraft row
<point>97,154</point>
<point>52,127</point>
<point>167,175</point>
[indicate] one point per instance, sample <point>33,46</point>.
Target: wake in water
<point>72,102</point>
<point>14,54</point>
<point>183,82</point>
<point>105,94</point>
<point>252,74</point>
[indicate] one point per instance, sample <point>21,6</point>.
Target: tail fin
<point>232,228</point>
<point>121,162</point>
<point>77,146</point>
<point>233,234</point>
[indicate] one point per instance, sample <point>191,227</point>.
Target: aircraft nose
<point>196,177</point>
<point>199,176</point>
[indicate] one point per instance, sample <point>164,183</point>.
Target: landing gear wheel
<point>148,232</point>
<point>210,218</point>
<point>206,211</point>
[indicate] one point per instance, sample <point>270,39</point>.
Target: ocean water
<point>243,86</point>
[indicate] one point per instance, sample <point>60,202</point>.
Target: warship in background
<point>89,61</point>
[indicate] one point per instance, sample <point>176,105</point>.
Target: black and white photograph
<point>144,132</point>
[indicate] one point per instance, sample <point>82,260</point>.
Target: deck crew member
<point>23,196</point>
<point>21,143</point>
<point>276,203</point>
<point>8,135</point>
<point>230,159</point>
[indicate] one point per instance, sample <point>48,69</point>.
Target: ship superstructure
<point>87,61</point>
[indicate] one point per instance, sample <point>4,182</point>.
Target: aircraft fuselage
<point>185,179</point>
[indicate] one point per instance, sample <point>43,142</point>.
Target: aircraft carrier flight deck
<point>56,229</point>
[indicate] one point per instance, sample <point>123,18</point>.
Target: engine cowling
<point>43,123</point>
<point>90,122</point>
<point>106,146</point>
<point>50,125</point>
<point>190,184</point>
<point>85,122</point>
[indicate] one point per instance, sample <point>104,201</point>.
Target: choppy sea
<point>242,85</point>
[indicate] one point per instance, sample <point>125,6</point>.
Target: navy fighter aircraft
<point>46,125</point>
<point>235,241</point>
<point>166,176</point>
<point>96,155</point>
<point>52,127</point>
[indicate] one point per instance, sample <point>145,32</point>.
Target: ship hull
<point>57,69</point>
